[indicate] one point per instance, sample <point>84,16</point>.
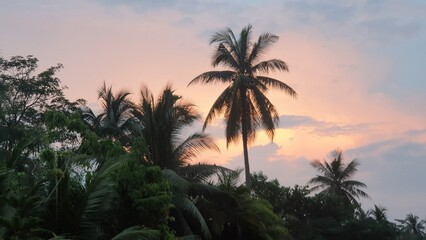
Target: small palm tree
<point>243,103</point>
<point>336,179</point>
<point>162,123</point>
<point>378,213</point>
<point>115,120</point>
<point>412,225</point>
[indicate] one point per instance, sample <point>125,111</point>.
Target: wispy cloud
<point>322,128</point>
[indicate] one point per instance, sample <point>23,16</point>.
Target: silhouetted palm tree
<point>115,120</point>
<point>162,123</point>
<point>243,102</point>
<point>411,224</point>
<point>378,213</point>
<point>336,179</point>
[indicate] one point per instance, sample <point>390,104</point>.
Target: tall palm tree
<point>115,120</point>
<point>336,179</point>
<point>243,102</point>
<point>162,123</point>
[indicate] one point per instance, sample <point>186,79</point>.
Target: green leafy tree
<point>240,216</point>
<point>144,198</point>
<point>336,179</point>
<point>367,229</point>
<point>243,103</point>
<point>269,190</point>
<point>25,96</point>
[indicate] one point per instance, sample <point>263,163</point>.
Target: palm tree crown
<point>378,213</point>
<point>336,179</point>
<point>116,119</point>
<point>162,122</point>
<point>243,103</point>
<point>412,224</point>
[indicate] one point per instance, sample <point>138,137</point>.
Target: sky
<point>357,66</point>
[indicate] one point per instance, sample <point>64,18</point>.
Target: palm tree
<point>336,179</point>
<point>243,102</point>
<point>162,123</point>
<point>378,213</point>
<point>115,120</point>
<point>412,225</point>
<point>185,195</point>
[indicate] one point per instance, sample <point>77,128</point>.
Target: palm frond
<point>266,111</point>
<point>219,105</point>
<point>193,145</point>
<point>264,41</point>
<point>270,65</point>
<point>99,201</point>
<point>323,181</point>
<point>271,82</point>
<point>350,169</point>
<point>181,189</point>
<point>200,172</point>
<point>353,183</point>
<point>189,207</point>
<point>234,113</point>
<point>228,180</point>
<point>213,77</point>
<point>244,44</point>
<point>226,57</point>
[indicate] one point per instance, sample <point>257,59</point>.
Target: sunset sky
<point>358,67</point>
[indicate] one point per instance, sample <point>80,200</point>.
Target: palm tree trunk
<point>246,160</point>
<point>245,137</point>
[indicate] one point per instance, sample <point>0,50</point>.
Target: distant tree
<point>378,213</point>
<point>269,190</point>
<point>336,179</point>
<point>412,226</point>
<point>243,102</point>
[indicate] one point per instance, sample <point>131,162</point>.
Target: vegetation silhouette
<point>243,102</point>
<point>336,179</point>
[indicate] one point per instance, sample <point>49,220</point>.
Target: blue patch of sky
<point>407,76</point>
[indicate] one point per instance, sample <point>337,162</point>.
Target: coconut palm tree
<point>162,123</point>
<point>336,178</point>
<point>378,213</point>
<point>115,120</point>
<point>412,225</point>
<point>243,102</point>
